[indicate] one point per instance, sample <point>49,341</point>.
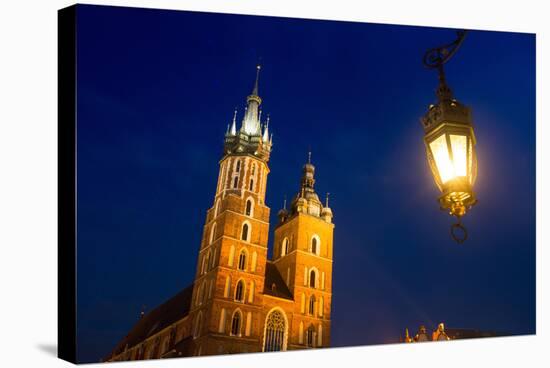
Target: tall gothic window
<point>236,324</point>
<point>310,336</point>
<point>235,181</point>
<point>212,233</point>
<point>314,245</point>
<point>275,328</point>
<point>244,235</point>
<point>242,260</point>
<point>239,291</point>
<point>284,248</point>
<point>217,208</point>
<point>312,305</point>
<point>198,326</point>
<point>312,278</point>
<point>251,186</point>
<point>238,166</point>
<point>248,210</point>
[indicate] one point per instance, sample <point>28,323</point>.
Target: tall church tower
<point>227,298</point>
<point>240,301</point>
<point>303,255</point>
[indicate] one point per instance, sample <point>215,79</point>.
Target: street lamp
<point>450,143</point>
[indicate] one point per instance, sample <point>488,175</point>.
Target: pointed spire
<point>309,156</point>
<point>243,122</point>
<point>266,131</point>
<point>326,200</point>
<point>284,202</point>
<point>233,130</point>
<point>255,90</point>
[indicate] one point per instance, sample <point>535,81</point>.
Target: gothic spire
<point>255,89</point>
<point>266,130</point>
<point>233,130</point>
<point>251,120</point>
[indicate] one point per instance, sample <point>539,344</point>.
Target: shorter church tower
<point>303,255</point>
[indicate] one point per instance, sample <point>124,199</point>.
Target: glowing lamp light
<point>450,143</point>
<point>450,150</point>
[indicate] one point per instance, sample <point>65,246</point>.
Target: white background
<point>28,180</point>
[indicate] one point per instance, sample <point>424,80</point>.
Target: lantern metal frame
<point>450,118</point>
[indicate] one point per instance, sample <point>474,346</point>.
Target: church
<point>241,301</point>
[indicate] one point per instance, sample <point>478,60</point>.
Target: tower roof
<point>255,89</point>
<point>251,138</point>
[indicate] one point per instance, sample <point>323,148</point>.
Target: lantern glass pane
<point>460,154</point>
<point>470,161</point>
<point>443,162</point>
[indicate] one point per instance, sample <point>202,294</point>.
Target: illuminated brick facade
<point>240,301</point>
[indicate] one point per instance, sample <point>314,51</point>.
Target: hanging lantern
<point>450,144</point>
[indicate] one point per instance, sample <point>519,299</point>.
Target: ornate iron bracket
<point>436,57</point>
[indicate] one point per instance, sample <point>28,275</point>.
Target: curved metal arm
<point>436,57</point>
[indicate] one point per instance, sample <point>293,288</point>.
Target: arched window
<point>198,326</point>
<point>238,166</point>
<point>284,247</point>
<point>235,181</point>
<point>239,291</point>
<point>236,323</point>
<point>315,245</point>
<point>251,185</point>
<point>203,264</point>
<point>212,260</point>
<point>312,278</point>
<point>227,287</point>
<point>212,233</point>
<point>242,260</point>
<point>206,262</point>
<point>248,210</point>
<point>199,297</point>
<point>217,208</point>
<point>275,332</point>
<point>310,336</point>
<point>245,232</point>
<point>311,305</point>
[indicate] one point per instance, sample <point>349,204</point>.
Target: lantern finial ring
<point>459,233</point>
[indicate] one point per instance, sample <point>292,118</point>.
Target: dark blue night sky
<point>156,90</point>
